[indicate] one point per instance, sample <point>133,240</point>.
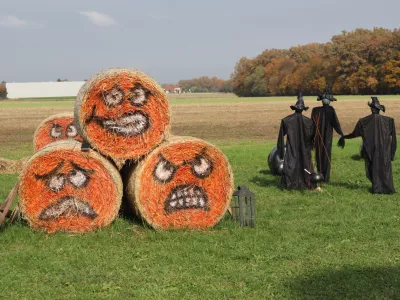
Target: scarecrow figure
<point>325,120</point>
<point>297,158</point>
<point>379,147</point>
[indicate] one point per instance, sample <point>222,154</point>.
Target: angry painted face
<point>66,190</point>
<point>55,128</point>
<point>124,114</point>
<point>184,184</point>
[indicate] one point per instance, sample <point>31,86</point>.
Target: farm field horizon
<point>339,244</point>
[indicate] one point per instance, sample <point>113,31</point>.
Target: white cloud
<point>12,21</point>
<point>98,18</point>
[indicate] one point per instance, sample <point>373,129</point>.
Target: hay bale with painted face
<point>55,128</point>
<point>185,183</point>
<point>122,113</point>
<point>65,189</point>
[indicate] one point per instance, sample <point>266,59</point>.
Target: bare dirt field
<point>213,121</point>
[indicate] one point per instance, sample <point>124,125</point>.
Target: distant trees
<point>206,84</point>
<point>359,62</point>
<point>3,90</point>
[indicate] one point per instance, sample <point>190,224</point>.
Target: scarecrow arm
<point>394,140</point>
<point>356,133</point>
<point>336,124</point>
<point>281,140</point>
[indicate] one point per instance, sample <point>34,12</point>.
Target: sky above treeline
<point>44,40</point>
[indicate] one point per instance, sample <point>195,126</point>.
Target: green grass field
<point>342,243</point>
<point>179,99</point>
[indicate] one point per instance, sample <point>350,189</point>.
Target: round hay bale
<point>122,113</point>
<point>55,128</point>
<point>65,189</point>
<point>185,183</point>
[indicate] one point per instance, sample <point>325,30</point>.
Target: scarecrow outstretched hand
<point>341,143</point>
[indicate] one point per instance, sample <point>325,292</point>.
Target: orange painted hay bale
<point>122,113</point>
<point>185,183</point>
<point>65,189</point>
<point>55,128</point>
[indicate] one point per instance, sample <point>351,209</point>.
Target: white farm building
<point>43,89</point>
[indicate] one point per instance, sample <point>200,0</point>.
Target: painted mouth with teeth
<point>128,125</point>
<point>186,197</point>
<point>68,207</point>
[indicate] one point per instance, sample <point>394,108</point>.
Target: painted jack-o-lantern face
<point>55,128</point>
<point>124,114</point>
<point>184,184</point>
<point>66,190</point>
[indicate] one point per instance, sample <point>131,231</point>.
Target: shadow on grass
<point>349,283</point>
<point>356,157</point>
<point>266,172</point>
<point>263,181</point>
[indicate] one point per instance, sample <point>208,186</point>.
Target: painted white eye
<point>71,131</point>
<point>138,97</point>
<point>78,178</point>
<point>202,166</point>
<point>113,97</point>
<point>56,182</point>
<point>56,131</point>
<point>164,171</point>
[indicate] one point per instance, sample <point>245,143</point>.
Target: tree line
<point>358,62</point>
<point>206,84</point>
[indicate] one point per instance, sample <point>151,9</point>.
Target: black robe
<point>326,118</point>
<point>379,147</point>
<point>300,132</point>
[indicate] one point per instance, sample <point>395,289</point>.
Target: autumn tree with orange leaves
<point>358,62</point>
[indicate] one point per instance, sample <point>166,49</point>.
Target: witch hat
<point>326,95</point>
<point>375,104</point>
<point>299,104</point>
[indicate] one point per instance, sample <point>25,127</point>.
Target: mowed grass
<point>342,243</point>
<point>181,99</point>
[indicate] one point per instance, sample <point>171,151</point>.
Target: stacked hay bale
<point>55,128</point>
<point>184,183</point>
<point>65,189</point>
<point>122,113</point>
<point>171,182</point>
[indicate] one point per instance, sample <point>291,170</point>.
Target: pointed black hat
<point>326,95</point>
<point>299,104</point>
<point>375,103</point>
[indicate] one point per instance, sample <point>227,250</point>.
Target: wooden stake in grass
<point>122,113</point>
<point>55,128</point>
<point>185,183</point>
<point>65,189</point>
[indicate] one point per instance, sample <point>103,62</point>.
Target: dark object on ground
<point>275,162</point>
<point>379,147</point>
<point>244,206</point>
<point>300,131</point>
<point>317,177</point>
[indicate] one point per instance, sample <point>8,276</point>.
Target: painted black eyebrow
<point>55,170</point>
<point>77,167</point>
<point>190,161</point>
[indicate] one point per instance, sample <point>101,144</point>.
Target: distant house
<point>172,88</point>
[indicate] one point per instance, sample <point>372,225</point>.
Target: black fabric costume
<point>326,119</point>
<point>379,148</point>
<point>300,132</point>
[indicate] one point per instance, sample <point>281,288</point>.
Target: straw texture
<point>65,189</point>
<point>122,113</point>
<point>55,128</point>
<point>185,183</point>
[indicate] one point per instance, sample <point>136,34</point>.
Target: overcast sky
<point>42,40</point>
